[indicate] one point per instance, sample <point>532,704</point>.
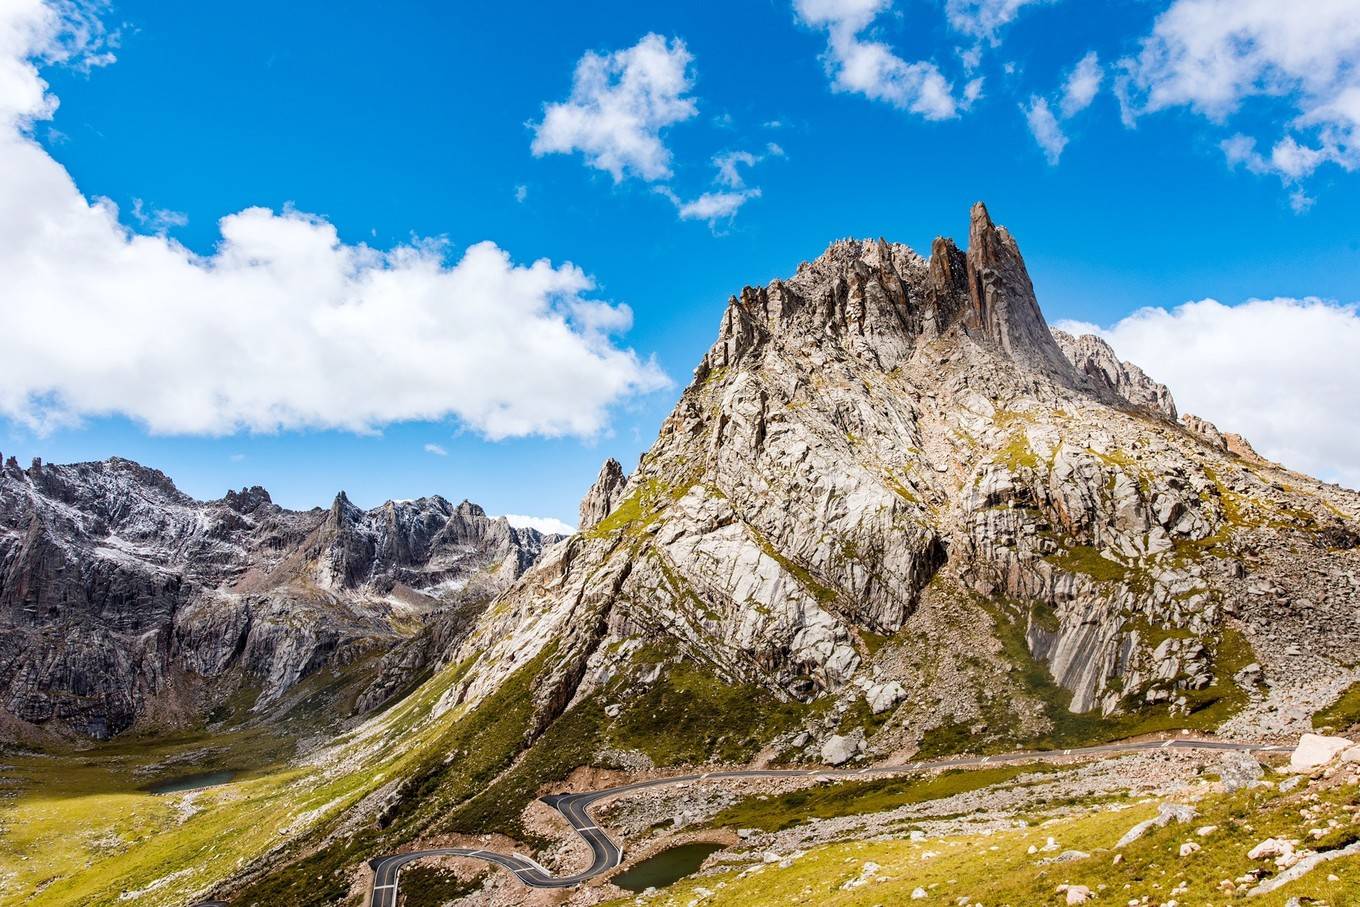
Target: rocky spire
<point>247,499</point>
<point>1002,306</point>
<point>604,495</point>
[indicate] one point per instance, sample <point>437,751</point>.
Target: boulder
<point>884,696</point>
<point>838,749</point>
<point>1166,813</point>
<point>1315,751</point>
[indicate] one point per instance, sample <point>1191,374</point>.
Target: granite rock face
<point>1093,357</point>
<point>603,495</point>
<point>123,599</point>
<point>885,465</point>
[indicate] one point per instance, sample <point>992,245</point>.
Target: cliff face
<point>122,598</point>
<point>886,466</point>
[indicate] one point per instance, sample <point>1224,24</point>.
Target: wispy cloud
<point>1211,56</point>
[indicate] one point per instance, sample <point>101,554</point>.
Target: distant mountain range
<point>125,601</point>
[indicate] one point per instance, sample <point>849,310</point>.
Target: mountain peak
<point>878,300</point>
<point>247,499</point>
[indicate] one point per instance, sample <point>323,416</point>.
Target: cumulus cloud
<point>1281,372</point>
<point>284,325</point>
<point>1213,55</point>
<point>1078,91</point>
<point>620,102</point>
<point>871,68</point>
<point>984,19</point>
<point>437,449</point>
<point>546,524</point>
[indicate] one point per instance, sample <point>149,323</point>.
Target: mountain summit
<point>889,480</point>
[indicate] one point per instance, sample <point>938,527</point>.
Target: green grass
<point>689,716</point>
<point>851,798</point>
<point>1017,453</point>
<point>1089,561</point>
<point>447,767</point>
<point>1342,714</point>
<point>641,508</point>
<point>433,886</point>
<point>997,869</point>
<point>569,743</point>
<point>860,715</point>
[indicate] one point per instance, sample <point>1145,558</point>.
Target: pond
<point>666,867</point>
<point>192,782</point>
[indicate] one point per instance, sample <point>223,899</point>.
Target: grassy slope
<point>82,831</point>
<point>776,813</point>
<point>997,869</point>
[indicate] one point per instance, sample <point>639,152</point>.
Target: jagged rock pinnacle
<point>603,495</point>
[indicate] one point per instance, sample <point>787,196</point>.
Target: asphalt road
<point>606,854</point>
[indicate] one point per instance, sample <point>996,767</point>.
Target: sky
<point>474,249</point>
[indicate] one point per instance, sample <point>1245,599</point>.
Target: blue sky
<point>406,121</point>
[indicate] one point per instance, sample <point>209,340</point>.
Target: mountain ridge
<point>117,589</point>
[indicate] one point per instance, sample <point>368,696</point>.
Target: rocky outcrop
<point>886,454</point>
<point>122,598</point>
<point>1205,430</point>
<point>604,495</point>
<point>1092,357</point>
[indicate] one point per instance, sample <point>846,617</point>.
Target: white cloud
<point>436,449</point>
<point>984,19</point>
<point>723,204</point>
<point>729,165</point>
<point>1213,55</point>
<point>1046,129</point>
<point>1281,372</point>
<point>715,206</point>
<point>545,524</point>
<point>1078,91</point>
<point>283,326</point>
<point>521,193</point>
<point>871,68</point>
<point>1082,85</point>
<point>619,104</point>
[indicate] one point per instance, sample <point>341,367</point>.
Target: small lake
<point>192,782</point>
<point>669,866</point>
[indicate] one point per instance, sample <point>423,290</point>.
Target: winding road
<point>606,854</point>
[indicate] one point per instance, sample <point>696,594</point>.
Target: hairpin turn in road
<point>606,854</point>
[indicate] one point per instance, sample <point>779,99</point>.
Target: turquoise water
<point>192,782</point>
<point>669,866</point>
